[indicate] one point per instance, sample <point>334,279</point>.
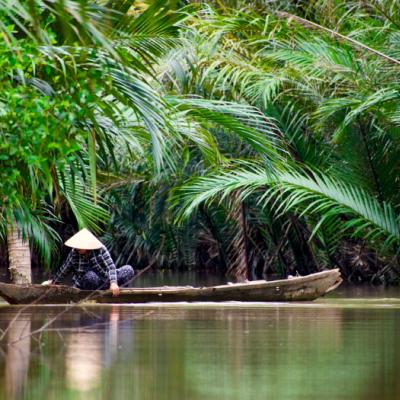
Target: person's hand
<point>114,288</point>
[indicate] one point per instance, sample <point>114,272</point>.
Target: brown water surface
<point>342,347</point>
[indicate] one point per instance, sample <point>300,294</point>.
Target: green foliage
<point>312,194</point>
<point>74,78</point>
<point>327,75</point>
<point>286,113</point>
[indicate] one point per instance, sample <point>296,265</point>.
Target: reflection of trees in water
<point>17,358</point>
<point>68,359</point>
<point>264,353</point>
<point>295,353</point>
<point>196,354</point>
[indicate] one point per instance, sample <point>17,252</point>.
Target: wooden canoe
<point>301,288</point>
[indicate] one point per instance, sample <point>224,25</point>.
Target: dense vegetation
<point>252,137</point>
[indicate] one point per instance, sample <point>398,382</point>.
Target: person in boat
<point>91,265</point>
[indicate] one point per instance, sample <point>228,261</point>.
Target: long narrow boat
<point>303,288</point>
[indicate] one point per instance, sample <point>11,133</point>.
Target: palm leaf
<point>315,194</point>
<point>36,226</point>
<point>246,121</point>
<point>80,198</point>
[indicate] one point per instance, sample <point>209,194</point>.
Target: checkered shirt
<point>98,261</point>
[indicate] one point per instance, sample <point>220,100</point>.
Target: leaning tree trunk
<point>19,256</point>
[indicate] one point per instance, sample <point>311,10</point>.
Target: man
<point>91,265</point>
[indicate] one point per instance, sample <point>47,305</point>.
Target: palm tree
<point>142,228</point>
<point>84,82</point>
<point>286,112</point>
<point>329,80</point>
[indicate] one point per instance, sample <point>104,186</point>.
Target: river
<point>344,346</point>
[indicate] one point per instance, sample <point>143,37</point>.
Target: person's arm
<point>64,269</point>
<point>112,273</point>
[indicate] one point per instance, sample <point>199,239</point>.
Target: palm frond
<point>76,21</point>
<point>80,199</point>
<point>355,106</point>
<point>246,121</point>
<point>318,194</point>
<point>35,226</point>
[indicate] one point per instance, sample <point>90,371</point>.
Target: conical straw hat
<point>84,240</point>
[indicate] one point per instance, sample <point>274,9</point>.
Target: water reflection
<point>83,361</point>
<point>181,352</point>
<point>88,352</point>
<point>17,358</point>
<point>112,336</point>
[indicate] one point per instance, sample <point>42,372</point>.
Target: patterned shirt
<point>98,261</point>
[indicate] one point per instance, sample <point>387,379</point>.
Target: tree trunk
<point>17,358</point>
<point>223,258</point>
<point>19,256</point>
<point>303,255</point>
<point>239,252</point>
